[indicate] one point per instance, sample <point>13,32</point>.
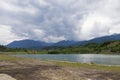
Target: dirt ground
<point>38,70</point>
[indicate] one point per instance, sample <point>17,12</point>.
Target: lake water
<point>82,58</point>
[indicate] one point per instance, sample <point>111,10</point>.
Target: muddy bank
<point>40,70</point>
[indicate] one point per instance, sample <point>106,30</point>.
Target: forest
<point>108,47</point>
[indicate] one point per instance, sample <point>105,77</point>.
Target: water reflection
<point>83,58</point>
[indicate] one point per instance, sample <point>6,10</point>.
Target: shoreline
<point>34,69</point>
<point>69,61</point>
<point>91,63</point>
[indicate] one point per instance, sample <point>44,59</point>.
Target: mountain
<point>100,39</point>
<point>28,44</point>
<point>106,38</point>
<point>65,43</point>
<point>107,47</point>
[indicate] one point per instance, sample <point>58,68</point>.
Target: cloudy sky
<point>55,20</point>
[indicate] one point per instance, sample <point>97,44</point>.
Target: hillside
<point>3,48</point>
<point>65,43</point>
<point>105,44</point>
<point>32,44</point>
<point>102,39</point>
<point>29,44</point>
<point>108,47</point>
<point>97,48</point>
<point>6,49</point>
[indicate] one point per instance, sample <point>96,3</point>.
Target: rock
<point>89,79</point>
<point>6,77</point>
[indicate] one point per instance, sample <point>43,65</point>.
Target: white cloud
<point>115,29</point>
<point>101,20</point>
<point>55,20</point>
<point>6,36</point>
<point>53,38</point>
<point>14,8</point>
<point>94,25</point>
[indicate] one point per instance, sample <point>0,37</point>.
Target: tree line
<point>97,48</point>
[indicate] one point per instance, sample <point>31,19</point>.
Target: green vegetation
<point>89,66</point>
<point>5,49</point>
<point>4,57</point>
<point>85,65</point>
<point>108,47</point>
<point>65,64</point>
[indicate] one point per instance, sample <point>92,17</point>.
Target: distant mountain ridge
<point>65,43</point>
<point>41,44</point>
<point>100,39</point>
<point>106,38</point>
<point>28,44</point>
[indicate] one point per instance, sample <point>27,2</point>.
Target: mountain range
<point>32,44</point>
<point>28,44</point>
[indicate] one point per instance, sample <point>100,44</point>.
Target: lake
<point>82,58</point>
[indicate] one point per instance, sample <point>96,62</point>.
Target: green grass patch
<point>89,66</point>
<point>4,57</point>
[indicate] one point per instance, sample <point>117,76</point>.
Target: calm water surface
<point>82,58</point>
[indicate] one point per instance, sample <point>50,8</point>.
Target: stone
<point>6,77</point>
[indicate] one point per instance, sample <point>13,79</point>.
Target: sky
<point>56,20</point>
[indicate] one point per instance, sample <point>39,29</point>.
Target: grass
<point>15,53</point>
<point>88,66</point>
<point>4,57</point>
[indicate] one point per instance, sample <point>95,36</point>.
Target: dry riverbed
<point>31,69</point>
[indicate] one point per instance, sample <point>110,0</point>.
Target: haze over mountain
<point>40,44</point>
